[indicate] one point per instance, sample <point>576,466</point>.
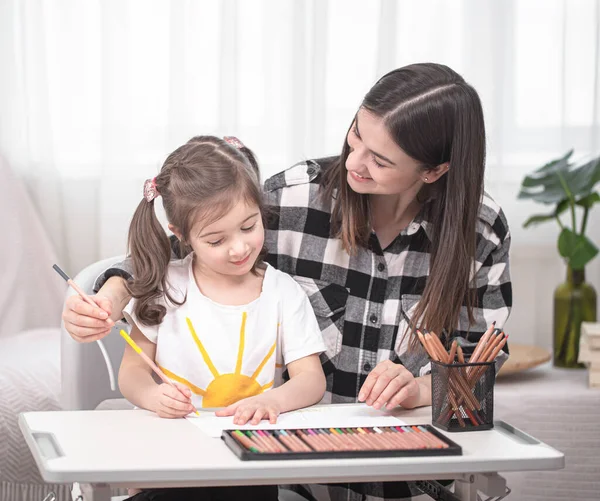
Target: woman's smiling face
<point>376,164</point>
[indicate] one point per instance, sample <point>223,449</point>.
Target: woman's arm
<point>138,386</point>
<point>86,323</point>
<point>124,269</point>
<point>491,281</point>
<point>115,290</point>
<point>422,398</point>
<point>393,384</point>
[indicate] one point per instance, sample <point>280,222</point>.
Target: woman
<point>394,233</point>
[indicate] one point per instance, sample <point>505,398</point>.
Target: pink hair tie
<point>150,189</point>
<point>233,141</point>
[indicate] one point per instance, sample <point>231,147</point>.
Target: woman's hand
<point>253,409</point>
<point>168,402</point>
<point>392,384</point>
<point>86,323</point>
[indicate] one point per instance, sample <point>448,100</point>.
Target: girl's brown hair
<point>204,178</point>
<point>435,117</point>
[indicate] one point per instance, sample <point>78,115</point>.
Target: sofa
<point>31,298</point>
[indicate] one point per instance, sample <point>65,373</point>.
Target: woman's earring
<point>426,179</point>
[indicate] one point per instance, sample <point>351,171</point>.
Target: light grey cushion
<point>29,381</point>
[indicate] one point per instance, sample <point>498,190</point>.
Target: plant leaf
<point>537,219</point>
<point>562,206</point>
<point>559,164</point>
<point>541,176</point>
<point>548,189</point>
<point>578,250</point>
<point>582,179</point>
<point>542,218</point>
<point>589,200</point>
<point>551,193</point>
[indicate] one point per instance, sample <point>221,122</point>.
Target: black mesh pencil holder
<point>462,396</point>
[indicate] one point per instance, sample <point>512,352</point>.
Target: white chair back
<point>89,371</point>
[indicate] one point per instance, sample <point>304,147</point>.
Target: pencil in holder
<point>462,396</point>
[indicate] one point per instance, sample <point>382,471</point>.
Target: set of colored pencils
<point>338,439</point>
<point>464,378</point>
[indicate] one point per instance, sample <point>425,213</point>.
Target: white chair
<point>89,371</point>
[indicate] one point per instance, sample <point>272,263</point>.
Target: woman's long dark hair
<point>204,178</point>
<point>435,117</point>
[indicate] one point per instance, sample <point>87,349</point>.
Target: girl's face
<point>232,244</point>
<point>376,164</point>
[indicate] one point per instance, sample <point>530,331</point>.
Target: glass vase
<point>574,302</point>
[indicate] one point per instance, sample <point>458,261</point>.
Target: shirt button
<point>381,266</point>
<point>310,171</point>
<point>373,319</point>
<point>367,367</point>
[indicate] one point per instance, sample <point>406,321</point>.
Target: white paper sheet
<point>339,416</point>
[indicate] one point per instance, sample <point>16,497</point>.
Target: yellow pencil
<point>151,363</point>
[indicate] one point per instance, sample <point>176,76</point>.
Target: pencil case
<point>462,396</point>
<point>330,443</point>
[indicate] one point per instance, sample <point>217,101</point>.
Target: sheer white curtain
<point>94,94</point>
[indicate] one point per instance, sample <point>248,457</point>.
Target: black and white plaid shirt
<point>362,301</point>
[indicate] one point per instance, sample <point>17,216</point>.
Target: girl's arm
<point>305,387</point>
<point>138,386</point>
<point>135,376</point>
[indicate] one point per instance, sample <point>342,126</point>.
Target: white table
<point>556,406</point>
<point>138,448</point>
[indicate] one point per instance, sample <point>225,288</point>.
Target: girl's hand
<point>86,323</point>
<point>253,410</point>
<point>390,384</point>
<point>168,402</point>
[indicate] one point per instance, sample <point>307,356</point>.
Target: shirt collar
<point>420,222</point>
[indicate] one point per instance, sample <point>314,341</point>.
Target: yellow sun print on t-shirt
<point>226,389</point>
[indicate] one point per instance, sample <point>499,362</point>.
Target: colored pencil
<point>245,441</point>
<point>75,287</point>
<point>462,381</point>
<point>339,440</point>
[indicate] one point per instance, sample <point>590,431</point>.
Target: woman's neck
<point>393,209</point>
<point>390,214</point>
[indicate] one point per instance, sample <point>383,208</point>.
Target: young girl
<point>216,322</point>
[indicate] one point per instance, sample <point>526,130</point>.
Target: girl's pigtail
<point>150,251</point>
<point>247,152</point>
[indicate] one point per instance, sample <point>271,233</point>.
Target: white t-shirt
<point>226,353</point>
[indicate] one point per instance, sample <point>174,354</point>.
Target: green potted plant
<point>569,187</point>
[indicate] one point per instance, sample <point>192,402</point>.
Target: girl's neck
<point>232,290</point>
